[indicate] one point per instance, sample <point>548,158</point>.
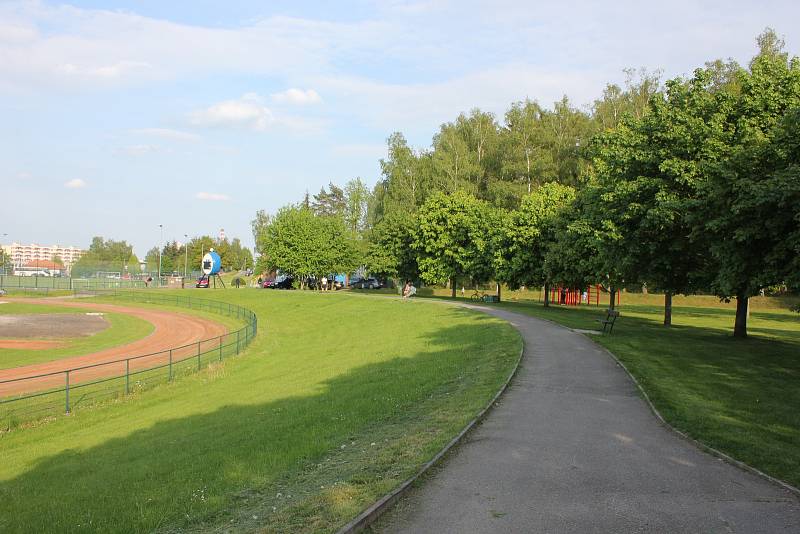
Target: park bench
<point>608,322</point>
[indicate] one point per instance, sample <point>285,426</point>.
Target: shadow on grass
<point>181,472</point>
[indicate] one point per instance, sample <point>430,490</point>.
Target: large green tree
<point>524,235</point>
<point>748,189</point>
<point>454,239</point>
<point>391,250</point>
<point>303,244</point>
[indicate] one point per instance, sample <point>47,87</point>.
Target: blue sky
<point>118,116</point>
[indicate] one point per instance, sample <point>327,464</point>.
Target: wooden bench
<point>608,322</point>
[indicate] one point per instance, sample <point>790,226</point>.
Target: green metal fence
<point>65,282</point>
<point>38,396</point>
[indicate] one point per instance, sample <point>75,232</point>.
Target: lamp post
<point>185,255</point>
<point>4,255</point>
<point>160,242</point>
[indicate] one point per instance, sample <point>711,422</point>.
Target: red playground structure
<point>576,297</point>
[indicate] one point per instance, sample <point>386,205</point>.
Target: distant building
<point>40,268</point>
<point>222,234</point>
<point>20,255</point>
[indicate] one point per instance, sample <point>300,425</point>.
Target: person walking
<point>324,283</point>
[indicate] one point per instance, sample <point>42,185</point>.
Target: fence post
<point>127,376</point>
<point>170,365</point>
<point>220,348</point>
<point>237,341</point>
<point>198,355</point>
<point>66,389</point>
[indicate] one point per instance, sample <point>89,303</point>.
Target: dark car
<point>367,283</point>
<point>282,282</point>
<point>286,283</point>
<point>202,282</point>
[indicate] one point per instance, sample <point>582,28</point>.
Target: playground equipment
<point>577,297</point>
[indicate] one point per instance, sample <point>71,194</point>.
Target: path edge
<point>382,505</point>
<point>700,445</point>
<point>663,422</point>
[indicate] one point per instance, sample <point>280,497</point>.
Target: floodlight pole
<point>186,255</point>
<point>161,239</point>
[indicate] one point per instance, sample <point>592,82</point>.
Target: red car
<point>202,282</point>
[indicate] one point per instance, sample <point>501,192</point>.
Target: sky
<point>120,116</point>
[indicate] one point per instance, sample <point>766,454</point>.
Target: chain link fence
<point>35,397</point>
<point>12,282</point>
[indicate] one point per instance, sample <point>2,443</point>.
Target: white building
<point>18,254</point>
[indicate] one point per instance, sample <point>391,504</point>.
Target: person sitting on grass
<point>409,290</point>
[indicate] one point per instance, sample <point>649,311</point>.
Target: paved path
<point>571,447</point>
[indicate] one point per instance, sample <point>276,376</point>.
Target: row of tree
<point>176,257</point>
<point>692,186</point>
<point>106,256</point>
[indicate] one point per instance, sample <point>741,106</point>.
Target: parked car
<point>282,282</point>
<point>286,283</point>
<point>367,283</point>
<point>202,282</point>
<point>2,292</point>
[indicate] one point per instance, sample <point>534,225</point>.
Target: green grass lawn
<point>123,329</point>
<point>335,402</point>
<point>741,396</point>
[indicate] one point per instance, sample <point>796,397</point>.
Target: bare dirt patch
<point>51,325</point>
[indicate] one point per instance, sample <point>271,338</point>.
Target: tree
<point>584,250</point>
<point>151,258</point>
<point>57,260</point>
<point>648,171</point>
<point>103,255</point>
<point>390,252</point>
<point>454,239</point>
<point>330,203</point>
<point>455,166</point>
<point>525,152</point>
<point>632,102</point>
<point>302,244</point>
<point>749,189</point>
<point>357,199</point>
<point>259,224</point>
<point>523,237</point>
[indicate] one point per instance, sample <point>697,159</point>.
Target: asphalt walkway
<point>571,447</point>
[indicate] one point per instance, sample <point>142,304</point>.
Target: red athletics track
<point>171,329</point>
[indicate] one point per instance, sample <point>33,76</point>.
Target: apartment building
<point>19,255</point>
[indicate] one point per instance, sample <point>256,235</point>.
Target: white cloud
<point>167,133</point>
<point>297,96</point>
<point>75,183</point>
<point>202,195</point>
<point>246,112</point>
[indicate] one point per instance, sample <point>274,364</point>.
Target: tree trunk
<point>498,292</point>
<point>453,287</point>
<point>613,292</point>
<point>667,308</point>
<point>740,326</point>
<point>546,295</point>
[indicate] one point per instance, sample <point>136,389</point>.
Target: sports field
<point>336,401</point>
<point>119,329</point>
